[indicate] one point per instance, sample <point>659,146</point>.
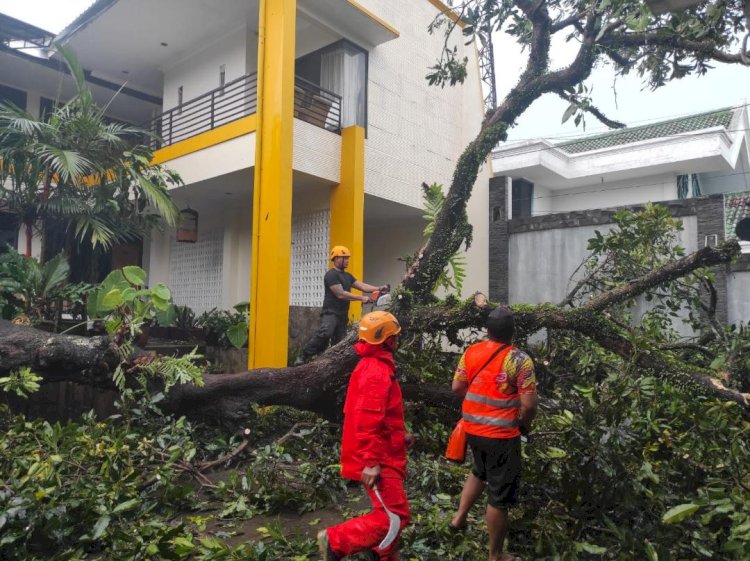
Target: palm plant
<point>452,279</point>
<point>35,293</point>
<point>90,177</point>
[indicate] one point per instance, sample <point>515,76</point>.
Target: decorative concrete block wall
<point>196,273</point>
<point>310,241</point>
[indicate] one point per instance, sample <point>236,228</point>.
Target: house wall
<point>311,219</point>
<point>317,152</point>
<point>216,272</point>
<point>544,261</point>
<point>214,161</point>
<point>310,36</point>
<point>544,264</point>
<point>416,132</point>
<point>725,181</point>
<point>381,261</point>
<point>738,288</point>
<point>544,251</point>
<point>200,275</point>
<point>604,194</point>
<point>198,70</point>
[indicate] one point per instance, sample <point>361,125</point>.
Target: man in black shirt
<point>334,315</point>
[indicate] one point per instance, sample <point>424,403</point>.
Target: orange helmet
<point>376,327</point>
<point>340,251</point>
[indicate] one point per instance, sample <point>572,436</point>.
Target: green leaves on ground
<point>679,513</point>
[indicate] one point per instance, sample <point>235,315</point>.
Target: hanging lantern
<point>188,228</point>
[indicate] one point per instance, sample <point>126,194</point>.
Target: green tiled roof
<point>718,118</point>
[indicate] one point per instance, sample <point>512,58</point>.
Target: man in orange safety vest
<point>498,384</point>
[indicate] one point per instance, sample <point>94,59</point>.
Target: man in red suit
<point>374,444</point>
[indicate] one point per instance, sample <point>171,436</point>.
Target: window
<point>340,68</point>
<point>523,196</point>
<point>687,184</point>
<point>14,96</point>
<point>46,107</point>
<point>8,232</point>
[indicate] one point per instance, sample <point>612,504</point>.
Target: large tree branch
<point>589,320</point>
<point>451,227</point>
<point>580,68</point>
<point>319,385</point>
<point>50,354</point>
<point>589,108</point>
<point>574,21</point>
<point>706,49</point>
<point>704,257</point>
<point>597,327</point>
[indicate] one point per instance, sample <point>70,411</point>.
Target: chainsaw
<point>380,298</point>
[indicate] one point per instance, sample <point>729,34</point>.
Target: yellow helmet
<point>340,251</point>
<point>376,327</point>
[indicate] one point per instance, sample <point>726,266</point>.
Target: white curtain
<point>332,71</point>
<point>343,72</point>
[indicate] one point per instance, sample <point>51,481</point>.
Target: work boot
<point>326,553</point>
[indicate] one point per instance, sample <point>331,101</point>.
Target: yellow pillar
<point>272,187</point>
<point>348,205</point>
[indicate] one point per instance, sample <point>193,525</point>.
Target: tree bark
<point>224,399</point>
<point>56,357</point>
<point>319,385</point>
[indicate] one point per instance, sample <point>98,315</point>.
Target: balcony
<point>237,99</point>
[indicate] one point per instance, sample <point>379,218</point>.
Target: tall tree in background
<point>623,33</point>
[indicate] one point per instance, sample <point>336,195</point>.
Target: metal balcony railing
<point>237,99</point>
<point>317,105</point>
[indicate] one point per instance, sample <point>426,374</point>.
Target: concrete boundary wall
<point>706,227</point>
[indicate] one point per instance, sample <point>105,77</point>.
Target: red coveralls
<point>374,434</point>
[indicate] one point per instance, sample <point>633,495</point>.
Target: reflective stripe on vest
<point>501,403</point>
<point>488,412</point>
<point>492,421</point>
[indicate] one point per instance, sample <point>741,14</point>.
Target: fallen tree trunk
<point>319,385</point>
<point>225,398</point>
<point>56,357</point>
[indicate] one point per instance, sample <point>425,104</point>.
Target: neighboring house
<point>30,79</point>
<point>548,198</point>
<point>296,125</point>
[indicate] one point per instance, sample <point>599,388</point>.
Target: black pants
<point>331,330</point>
<point>497,461</point>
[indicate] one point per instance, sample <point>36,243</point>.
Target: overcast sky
<point>51,15</point>
<point>625,99</point>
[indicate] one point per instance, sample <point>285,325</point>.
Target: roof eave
<point>568,166</point>
<point>82,21</point>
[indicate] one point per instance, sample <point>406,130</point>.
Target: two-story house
<point>295,125</point>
